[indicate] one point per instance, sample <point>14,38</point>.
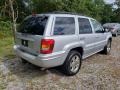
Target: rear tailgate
<point>30,33</point>
<point>29,43</point>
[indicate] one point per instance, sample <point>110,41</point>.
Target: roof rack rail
<point>63,12</point>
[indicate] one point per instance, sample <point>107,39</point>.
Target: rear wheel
<point>72,64</point>
<point>107,48</point>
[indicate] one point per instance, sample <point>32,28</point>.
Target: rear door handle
<point>96,37</point>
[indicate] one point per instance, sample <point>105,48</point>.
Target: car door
<point>86,35</point>
<point>100,35</point>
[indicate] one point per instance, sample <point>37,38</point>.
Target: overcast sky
<point>109,1</point>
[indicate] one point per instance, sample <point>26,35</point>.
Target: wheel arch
<point>79,49</point>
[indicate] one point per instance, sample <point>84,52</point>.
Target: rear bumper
<point>45,61</point>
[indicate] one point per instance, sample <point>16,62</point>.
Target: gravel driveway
<point>98,72</point>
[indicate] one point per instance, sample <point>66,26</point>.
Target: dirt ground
<point>98,72</point>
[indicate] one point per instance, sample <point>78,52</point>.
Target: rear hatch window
<point>34,25</point>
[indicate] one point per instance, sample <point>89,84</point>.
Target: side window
<point>84,26</point>
<point>64,26</point>
<point>97,26</point>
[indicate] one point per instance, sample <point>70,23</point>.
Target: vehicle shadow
<point>28,71</point>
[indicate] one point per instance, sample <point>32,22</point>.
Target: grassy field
<point>6,44</point>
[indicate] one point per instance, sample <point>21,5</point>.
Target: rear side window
<point>33,25</point>
<point>64,26</point>
<point>84,26</point>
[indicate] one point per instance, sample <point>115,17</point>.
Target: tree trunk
<point>14,18</point>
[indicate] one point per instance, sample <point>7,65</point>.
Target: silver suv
<point>60,39</point>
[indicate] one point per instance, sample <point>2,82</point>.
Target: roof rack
<point>64,12</point>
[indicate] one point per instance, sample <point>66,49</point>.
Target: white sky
<point>109,1</point>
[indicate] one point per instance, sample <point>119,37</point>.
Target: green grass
<point>6,45</point>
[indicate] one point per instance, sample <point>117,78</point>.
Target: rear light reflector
<point>47,46</point>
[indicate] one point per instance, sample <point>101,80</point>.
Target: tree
<point>93,8</point>
<point>116,12</point>
<point>107,14</point>
<point>117,3</point>
<point>14,13</point>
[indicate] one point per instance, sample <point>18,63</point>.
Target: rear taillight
<point>47,46</point>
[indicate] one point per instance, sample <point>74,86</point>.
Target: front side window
<point>97,26</point>
<point>64,26</point>
<point>84,26</point>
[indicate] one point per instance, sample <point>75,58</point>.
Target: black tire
<point>116,34</point>
<point>23,61</point>
<point>106,51</point>
<point>66,67</point>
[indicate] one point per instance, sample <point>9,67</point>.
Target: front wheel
<point>72,64</point>
<point>107,48</point>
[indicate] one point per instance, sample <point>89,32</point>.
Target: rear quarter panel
<point>66,42</point>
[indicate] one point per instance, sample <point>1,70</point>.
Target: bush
<point>5,29</point>
<point>5,25</point>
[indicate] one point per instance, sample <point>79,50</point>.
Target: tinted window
<point>84,26</point>
<point>97,26</point>
<point>64,26</point>
<point>33,25</point>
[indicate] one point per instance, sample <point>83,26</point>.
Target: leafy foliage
<point>93,8</point>
<point>116,14</point>
<point>5,27</point>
